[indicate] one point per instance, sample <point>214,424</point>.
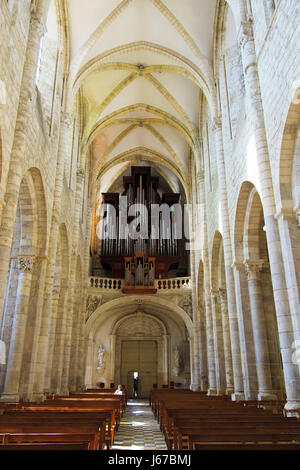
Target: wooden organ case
<point>145,258</point>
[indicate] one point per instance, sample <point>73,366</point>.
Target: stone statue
<point>101,358</point>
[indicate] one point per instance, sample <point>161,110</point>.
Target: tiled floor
<point>139,429</point>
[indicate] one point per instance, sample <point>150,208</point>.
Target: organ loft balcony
<point>138,244</point>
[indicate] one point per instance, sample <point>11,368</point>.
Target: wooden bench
<point>189,417</point>
<point>46,446</point>
<point>103,419</point>
<point>18,427</point>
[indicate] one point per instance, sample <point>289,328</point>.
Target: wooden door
<point>141,357</point>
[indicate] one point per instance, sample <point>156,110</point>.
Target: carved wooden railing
<point>173,283</point>
<point>176,283</point>
<point>106,283</point>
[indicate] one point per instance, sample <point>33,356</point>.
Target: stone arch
<point>203,73</point>
<point>110,315</point>
<point>241,205</point>
<point>121,305</point>
<point>27,263</point>
<point>259,331</point>
<point>289,167</point>
<point>287,192</point>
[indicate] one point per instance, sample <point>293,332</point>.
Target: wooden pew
<point>15,426</point>
<point>46,446</point>
<point>188,417</point>
<point>100,418</point>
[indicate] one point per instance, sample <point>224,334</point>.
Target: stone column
<point>248,362</point>
<point>71,336</point>
<point>226,341</point>
<point>60,335</point>
<point>53,242</point>
<point>166,340</point>
<point>82,342</point>
<point>15,357</point>
<point>195,357</point>
<point>28,388</point>
<point>230,287</point>
<point>287,316</point>
<point>201,308</point>
<point>19,147</point>
<point>51,341</point>
<point>112,357</point>
<point>218,344</point>
<point>265,389</point>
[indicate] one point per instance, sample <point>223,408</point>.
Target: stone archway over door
<point>139,356</point>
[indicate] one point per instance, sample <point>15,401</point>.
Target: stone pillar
<point>265,391</point>
<point>165,377</point>
<point>195,352</point>
<point>15,357</point>
<point>19,147</point>
<point>230,287</point>
<point>51,341</point>
<point>82,341</point>
<point>72,323</point>
<point>218,344</point>
<point>201,308</point>
<point>53,242</point>
<point>60,336</point>
<point>246,337</point>
<point>112,357</point>
<point>27,394</point>
<point>287,317</point>
<point>226,341</point>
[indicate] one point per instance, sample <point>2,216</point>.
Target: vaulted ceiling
<point>140,66</point>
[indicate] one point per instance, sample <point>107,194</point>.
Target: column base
<point>195,387</point>
<point>292,409</point>
<point>264,396</point>
<point>229,391</point>
<point>10,398</point>
<point>38,397</point>
<point>212,392</point>
<point>237,396</point>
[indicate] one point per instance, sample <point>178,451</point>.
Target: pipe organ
<point>139,241</point>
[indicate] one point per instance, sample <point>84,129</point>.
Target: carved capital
<point>80,173</point>
<point>66,119</point>
<point>222,294</point>
<point>37,25</point>
<point>215,124</point>
<point>253,269</point>
<point>246,32</point>
<point>214,294</point>
<point>200,176</point>
<point>26,263</point>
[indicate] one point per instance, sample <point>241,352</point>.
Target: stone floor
<point>139,429</point>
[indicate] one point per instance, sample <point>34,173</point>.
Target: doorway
<point>139,360</point>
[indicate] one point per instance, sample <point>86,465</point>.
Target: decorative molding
<point>246,32</point>
<point>253,269</point>
<point>25,263</point>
